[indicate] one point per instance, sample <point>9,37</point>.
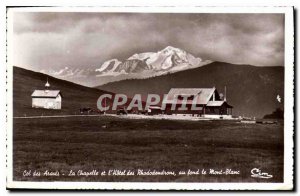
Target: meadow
<point>105,143</point>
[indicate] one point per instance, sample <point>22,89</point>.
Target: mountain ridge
<point>139,65</point>
<point>168,59</point>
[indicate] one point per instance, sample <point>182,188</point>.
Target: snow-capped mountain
<point>71,72</point>
<point>115,67</point>
<point>139,65</point>
<point>109,66</point>
<point>168,60</point>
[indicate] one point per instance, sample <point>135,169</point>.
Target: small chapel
<point>48,99</point>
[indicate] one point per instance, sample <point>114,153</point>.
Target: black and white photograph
<point>150,98</point>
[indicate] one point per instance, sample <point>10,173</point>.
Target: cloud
<point>43,40</point>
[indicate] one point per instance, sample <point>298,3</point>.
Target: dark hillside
<point>251,90</point>
<point>74,96</point>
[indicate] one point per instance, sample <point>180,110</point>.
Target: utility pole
<point>105,105</point>
<point>225,94</point>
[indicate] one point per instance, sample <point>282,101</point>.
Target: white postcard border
<point>288,105</point>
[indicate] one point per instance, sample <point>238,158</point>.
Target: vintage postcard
<point>150,98</point>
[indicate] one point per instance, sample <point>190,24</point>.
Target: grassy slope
<point>104,143</point>
<point>84,142</point>
<point>251,90</point>
<point>74,96</point>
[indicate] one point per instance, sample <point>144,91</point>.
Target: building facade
<point>48,99</point>
<point>206,101</point>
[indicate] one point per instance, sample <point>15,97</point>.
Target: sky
<point>49,40</point>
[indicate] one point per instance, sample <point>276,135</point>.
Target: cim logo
<point>257,173</point>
